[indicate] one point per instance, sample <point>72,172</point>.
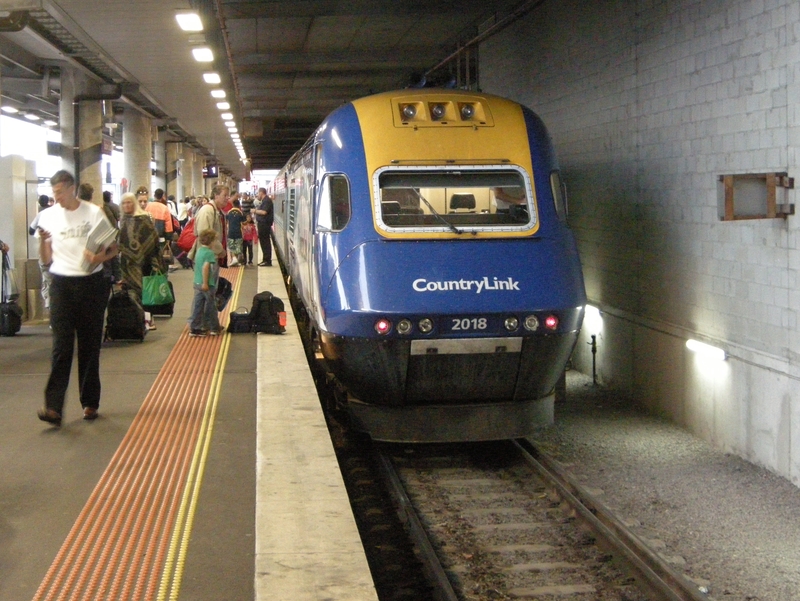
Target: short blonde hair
<point>207,237</point>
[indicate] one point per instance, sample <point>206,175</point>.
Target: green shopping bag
<point>156,290</point>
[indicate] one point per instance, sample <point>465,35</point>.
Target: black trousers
<point>77,308</point>
<point>265,241</point>
<point>247,251</point>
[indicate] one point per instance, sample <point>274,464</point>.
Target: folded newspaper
<point>101,236</point>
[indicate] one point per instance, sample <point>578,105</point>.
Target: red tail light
<point>551,322</point>
<point>382,326</point>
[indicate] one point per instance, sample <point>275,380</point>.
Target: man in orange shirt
<point>161,216</point>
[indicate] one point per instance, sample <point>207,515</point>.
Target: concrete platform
<point>271,521</point>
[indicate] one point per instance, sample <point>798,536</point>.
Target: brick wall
<point>648,103</point>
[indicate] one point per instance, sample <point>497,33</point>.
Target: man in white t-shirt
<point>78,295</point>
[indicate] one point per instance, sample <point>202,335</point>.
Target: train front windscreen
<point>446,199</point>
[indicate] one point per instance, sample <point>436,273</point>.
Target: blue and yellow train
<point>424,232</point>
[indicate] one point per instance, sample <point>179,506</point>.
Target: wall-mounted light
<point>706,350</point>
<point>211,78</point>
<point>189,21</point>
<point>202,55</point>
<point>592,320</point>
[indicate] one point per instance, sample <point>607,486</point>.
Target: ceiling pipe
<point>501,24</point>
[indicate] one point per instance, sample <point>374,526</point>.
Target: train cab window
<point>472,198</point>
<point>334,203</point>
<point>559,194</point>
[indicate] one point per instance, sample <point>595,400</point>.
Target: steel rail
<point>650,571</point>
<point>443,589</point>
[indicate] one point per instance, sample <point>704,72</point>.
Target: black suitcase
<point>10,311</point>
<point>10,318</point>
<point>125,318</point>
<point>167,309</point>
<point>267,314</point>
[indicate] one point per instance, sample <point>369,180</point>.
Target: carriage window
<point>454,199</point>
<point>334,203</point>
<point>559,194</point>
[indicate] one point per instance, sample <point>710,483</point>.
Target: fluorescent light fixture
<point>230,123</point>
<point>227,116</point>
<point>202,55</point>
<point>211,78</point>
<point>235,136</point>
<point>189,21</point>
<point>218,93</point>
<point>223,106</point>
<point>50,123</point>
<point>32,117</point>
<point>9,109</point>
<point>705,350</point>
<point>233,130</point>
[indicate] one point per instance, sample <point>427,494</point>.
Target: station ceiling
<point>285,64</point>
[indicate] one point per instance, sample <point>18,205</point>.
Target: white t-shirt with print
<point>69,231</point>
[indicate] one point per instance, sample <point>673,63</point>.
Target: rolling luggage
<point>125,318</point>
<point>267,314</point>
<point>10,311</point>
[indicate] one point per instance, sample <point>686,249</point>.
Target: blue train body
<point>428,244</point>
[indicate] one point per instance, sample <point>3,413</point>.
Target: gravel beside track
<point>727,524</point>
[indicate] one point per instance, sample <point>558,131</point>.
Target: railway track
<point>502,521</point>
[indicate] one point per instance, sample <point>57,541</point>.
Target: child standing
<point>204,320</point>
<point>249,235</point>
<point>235,219</point>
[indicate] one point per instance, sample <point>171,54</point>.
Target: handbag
<point>167,256</point>
<point>223,294</point>
<point>240,322</point>
<point>156,290</point>
<point>187,237</point>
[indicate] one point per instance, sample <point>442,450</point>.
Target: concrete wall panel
<point>648,104</point>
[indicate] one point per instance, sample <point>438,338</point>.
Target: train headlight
<point>383,326</point>
<point>425,325</point>
<point>438,111</point>
<point>511,323</point>
<point>551,322</point>
<point>531,323</point>
<point>467,111</point>
<point>403,326</point>
<point>409,111</point>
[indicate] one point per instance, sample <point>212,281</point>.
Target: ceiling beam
<point>264,9</point>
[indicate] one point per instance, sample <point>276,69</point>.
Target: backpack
<point>187,237</point>
<point>267,314</point>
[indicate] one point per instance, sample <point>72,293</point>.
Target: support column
<point>90,127</point>
<point>187,171</point>
<point>197,175</point>
<point>66,119</point>
<point>137,144</point>
<point>174,175</point>
<point>159,180</point>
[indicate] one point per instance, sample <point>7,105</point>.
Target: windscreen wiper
<point>452,228</point>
